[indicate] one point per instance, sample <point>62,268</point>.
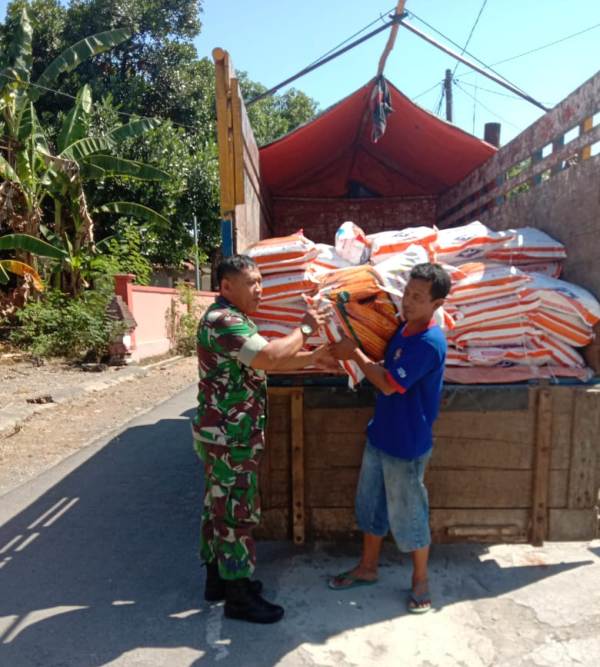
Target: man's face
<point>417,304</point>
<point>243,289</point>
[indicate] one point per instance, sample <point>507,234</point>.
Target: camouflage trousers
<point>231,507</point>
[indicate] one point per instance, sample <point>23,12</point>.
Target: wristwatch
<point>306,329</point>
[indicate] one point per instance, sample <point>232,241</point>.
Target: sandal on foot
<point>419,603</point>
<point>352,581</point>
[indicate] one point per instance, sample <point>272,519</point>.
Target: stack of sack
<point>286,266</point>
<point>508,316</point>
<point>514,319</point>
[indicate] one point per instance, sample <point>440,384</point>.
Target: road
<point>98,566</point>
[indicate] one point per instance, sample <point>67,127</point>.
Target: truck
<point>511,463</point>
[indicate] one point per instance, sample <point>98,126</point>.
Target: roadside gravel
<point>87,406</point>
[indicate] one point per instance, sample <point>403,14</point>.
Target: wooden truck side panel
<point>509,464</point>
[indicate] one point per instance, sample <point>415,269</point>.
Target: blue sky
<point>273,39</point>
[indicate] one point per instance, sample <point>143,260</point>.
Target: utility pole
<point>448,94</point>
<point>196,253</point>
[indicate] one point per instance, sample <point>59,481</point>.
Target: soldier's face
<point>243,289</point>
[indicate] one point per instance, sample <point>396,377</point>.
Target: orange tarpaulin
<point>419,154</point>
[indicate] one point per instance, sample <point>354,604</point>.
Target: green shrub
<point>122,253</point>
<point>61,326</point>
<point>184,325</point>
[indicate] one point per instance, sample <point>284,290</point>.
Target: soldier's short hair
<point>233,265</point>
<point>436,276</point>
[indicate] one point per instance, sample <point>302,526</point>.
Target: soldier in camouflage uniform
<point>229,431</point>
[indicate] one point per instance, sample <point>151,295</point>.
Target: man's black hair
<point>434,274</point>
<point>233,265</point>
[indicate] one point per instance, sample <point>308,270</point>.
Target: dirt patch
<point>60,430</point>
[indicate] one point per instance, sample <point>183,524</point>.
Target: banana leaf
<point>7,172</point>
<point>74,126</point>
<point>114,166</point>
<point>135,211</point>
<point>20,269</point>
<point>30,244</point>
<point>88,146</point>
<point>19,50</point>
<point>76,54</point>
<point>133,129</point>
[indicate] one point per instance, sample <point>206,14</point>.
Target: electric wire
<point>470,35</point>
<point>72,97</point>
<point>486,107</point>
<point>356,34</point>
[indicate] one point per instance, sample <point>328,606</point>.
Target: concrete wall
<point>547,177</point>
<point>320,218</point>
<point>152,309</point>
<point>568,208</point>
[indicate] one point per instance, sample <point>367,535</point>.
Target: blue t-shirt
<point>403,420</point>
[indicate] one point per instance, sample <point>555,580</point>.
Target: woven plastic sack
<point>512,332</point>
<point>501,309</point>
<point>528,243</point>
<point>486,281</point>
<point>562,327</point>
<point>466,243</point>
<point>285,287</point>
<point>563,354</point>
<point>290,312</point>
<point>456,357</point>
<point>551,268</point>
<point>351,243</point>
<point>386,244</point>
<point>565,297</point>
<point>394,272</point>
<point>529,355</point>
<point>327,259</point>
<point>282,253</point>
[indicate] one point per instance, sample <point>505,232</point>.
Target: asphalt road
<point>98,566</point>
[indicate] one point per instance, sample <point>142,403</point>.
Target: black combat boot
<point>214,590</point>
<point>242,603</point>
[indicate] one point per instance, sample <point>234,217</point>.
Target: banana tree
<point>31,245</point>
<point>22,163</point>
<point>80,158</point>
<point>31,171</point>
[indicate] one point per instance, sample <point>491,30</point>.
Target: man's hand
<point>323,358</point>
<point>344,349</point>
<point>317,316</point>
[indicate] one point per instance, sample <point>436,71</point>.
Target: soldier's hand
<point>317,316</point>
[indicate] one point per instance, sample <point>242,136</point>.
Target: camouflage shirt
<point>232,396</point>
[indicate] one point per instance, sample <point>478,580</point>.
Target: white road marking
<point>54,507</point>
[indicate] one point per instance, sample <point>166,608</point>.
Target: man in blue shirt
<point>391,494</point>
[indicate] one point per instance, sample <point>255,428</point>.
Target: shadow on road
<point>105,563</point>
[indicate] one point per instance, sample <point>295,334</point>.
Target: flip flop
<point>418,603</point>
<point>355,582</point>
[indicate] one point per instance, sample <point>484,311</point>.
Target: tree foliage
<point>154,73</point>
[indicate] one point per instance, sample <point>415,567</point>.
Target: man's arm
<point>279,354</point>
<point>320,357</point>
<point>377,375</point>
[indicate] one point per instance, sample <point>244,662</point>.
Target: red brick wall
<point>320,218</point>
